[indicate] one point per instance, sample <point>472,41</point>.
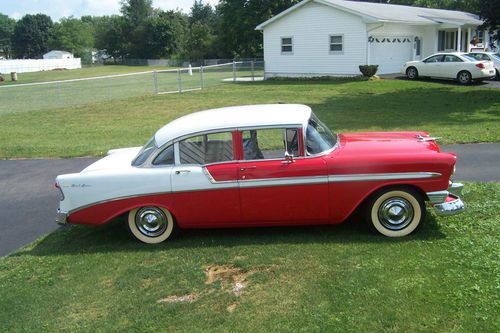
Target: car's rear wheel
<point>412,73</point>
<point>464,77</point>
<point>396,212</point>
<point>151,225</point>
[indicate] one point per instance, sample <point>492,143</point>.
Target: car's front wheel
<point>412,73</point>
<point>396,212</point>
<point>151,225</point>
<point>464,77</point>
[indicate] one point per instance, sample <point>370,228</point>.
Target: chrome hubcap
<point>464,77</point>
<point>151,221</point>
<point>395,213</point>
<point>411,73</point>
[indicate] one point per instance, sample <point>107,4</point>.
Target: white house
<point>334,37</point>
<point>56,54</point>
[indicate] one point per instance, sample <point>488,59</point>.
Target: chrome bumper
<point>61,218</point>
<point>448,202</point>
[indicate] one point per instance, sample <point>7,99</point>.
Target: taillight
<point>480,65</point>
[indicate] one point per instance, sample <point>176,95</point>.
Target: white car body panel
<point>450,70</point>
<point>109,178</point>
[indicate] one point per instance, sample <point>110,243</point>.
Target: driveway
<point>482,84</point>
<point>29,200</point>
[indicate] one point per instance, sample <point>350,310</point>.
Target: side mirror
<point>288,158</point>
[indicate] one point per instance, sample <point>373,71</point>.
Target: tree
<point>110,35</point>
<point>165,32</point>
<point>200,39</point>
<point>238,19</point>
<point>6,31</point>
<point>31,36</point>
<point>72,35</point>
<point>489,10</point>
<point>136,14</point>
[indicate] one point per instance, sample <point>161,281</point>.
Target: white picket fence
<point>36,65</point>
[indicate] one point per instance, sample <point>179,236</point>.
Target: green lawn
<point>86,71</point>
<point>446,278</point>
<point>458,114</point>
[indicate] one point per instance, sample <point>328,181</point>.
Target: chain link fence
<point>77,92</point>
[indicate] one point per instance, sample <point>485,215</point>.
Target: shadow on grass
<point>113,237</point>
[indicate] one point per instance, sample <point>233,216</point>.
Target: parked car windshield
<point>319,138</point>
<point>145,152</point>
<point>496,56</point>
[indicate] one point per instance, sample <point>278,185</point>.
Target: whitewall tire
<point>396,212</point>
<point>151,225</point>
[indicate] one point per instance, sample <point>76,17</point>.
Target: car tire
<point>412,73</point>
<point>151,225</point>
<point>497,76</point>
<point>396,212</point>
<point>464,77</point>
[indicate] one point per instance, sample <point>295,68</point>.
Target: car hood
<point>116,159</point>
<point>378,143</point>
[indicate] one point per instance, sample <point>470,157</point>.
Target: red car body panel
<point>265,191</point>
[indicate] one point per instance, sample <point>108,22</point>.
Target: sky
<point>63,8</point>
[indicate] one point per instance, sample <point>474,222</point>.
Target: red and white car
<point>262,165</point>
<point>455,66</point>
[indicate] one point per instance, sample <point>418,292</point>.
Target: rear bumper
<point>61,218</point>
<point>446,203</point>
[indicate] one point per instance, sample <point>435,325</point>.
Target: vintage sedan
<point>455,66</point>
<point>262,165</point>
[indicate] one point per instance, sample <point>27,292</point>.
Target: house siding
<point>310,27</point>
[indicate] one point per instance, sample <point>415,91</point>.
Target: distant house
<point>56,54</point>
<point>334,37</point>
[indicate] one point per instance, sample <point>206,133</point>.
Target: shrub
<point>368,70</point>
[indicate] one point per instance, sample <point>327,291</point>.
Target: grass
<point>458,114</point>
<point>446,278</point>
<point>86,71</point>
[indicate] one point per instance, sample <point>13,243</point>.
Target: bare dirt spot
<point>232,307</point>
<point>231,278</point>
<point>179,299</point>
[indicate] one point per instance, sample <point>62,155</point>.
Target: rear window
<point>469,57</point>
<point>145,152</point>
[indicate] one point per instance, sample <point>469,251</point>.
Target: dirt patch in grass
<point>189,298</point>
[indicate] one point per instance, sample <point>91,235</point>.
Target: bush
<point>368,70</point>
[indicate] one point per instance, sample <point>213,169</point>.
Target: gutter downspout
<point>368,43</point>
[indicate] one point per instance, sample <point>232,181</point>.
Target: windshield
<point>145,152</point>
<point>496,56</point>
<point>318,137</point>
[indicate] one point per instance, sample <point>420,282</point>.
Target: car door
<point>431,66</point>
<point>451,66</point>
<point>204,181</point>
<point>277,190</point>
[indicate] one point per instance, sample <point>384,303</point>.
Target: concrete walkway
<point>29,200</point>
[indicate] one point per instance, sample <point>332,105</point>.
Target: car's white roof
<point>232,118</point>
<point>383,12</point>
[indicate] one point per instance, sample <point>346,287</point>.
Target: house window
<point>447,40</point>
<point>336,43</point>
<point>286,45</point>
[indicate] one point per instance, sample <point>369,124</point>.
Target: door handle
<point>178,172</point>
<point>248,167</point>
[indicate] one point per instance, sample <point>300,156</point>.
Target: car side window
<point>166,157</point>
<point>207,148</point>
<point>270,143</point>
<point>433,59</point>
<point>451,58</point>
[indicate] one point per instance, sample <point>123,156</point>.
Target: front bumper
<point>61,218</point>
<point>446,203</point>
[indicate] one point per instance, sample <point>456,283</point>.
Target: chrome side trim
<point>247,183</point>
<point>382,176</point>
